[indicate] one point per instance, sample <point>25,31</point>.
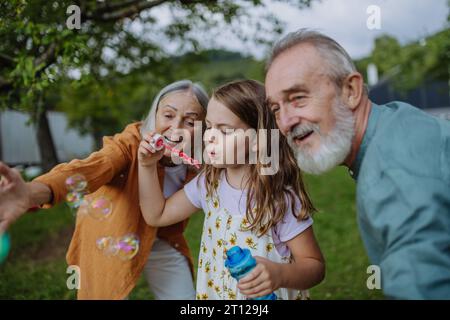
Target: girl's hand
<point>262,280</point>
<point>147,155</point>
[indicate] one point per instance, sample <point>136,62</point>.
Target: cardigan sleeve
<point>98,168</point>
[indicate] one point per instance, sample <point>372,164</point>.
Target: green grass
<point>36,267</point>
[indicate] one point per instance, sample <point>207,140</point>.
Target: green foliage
<point>412,64</point>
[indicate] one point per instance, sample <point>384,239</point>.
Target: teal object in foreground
<point>4,246</point>
<point>240,262</point>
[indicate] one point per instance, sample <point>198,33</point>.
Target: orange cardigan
<point>113,172</point>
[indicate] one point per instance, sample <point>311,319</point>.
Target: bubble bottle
<point>240,262</point>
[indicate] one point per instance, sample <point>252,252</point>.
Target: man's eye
<point>168,116</point>
<point>190,123</point>
<point>298,98</point>
<point>275,109</point>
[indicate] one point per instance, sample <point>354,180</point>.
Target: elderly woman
<point>163,255</point>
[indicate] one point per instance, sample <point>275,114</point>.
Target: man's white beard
<point>334,147</point>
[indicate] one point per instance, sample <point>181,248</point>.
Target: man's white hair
<point>340,65</point>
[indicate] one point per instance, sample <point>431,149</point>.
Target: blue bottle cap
<point>236,255</point>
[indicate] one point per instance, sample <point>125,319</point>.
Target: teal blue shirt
<point>402,171</point>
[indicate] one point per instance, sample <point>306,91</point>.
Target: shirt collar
<point>368,135</point>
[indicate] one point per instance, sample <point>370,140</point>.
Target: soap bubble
<point>76,183</point>
<point>76,186</point>
<point>5,245</point>
<point>127,246</point>
<point>108,245</point>
<point>84,207</point>
<point>74,199</point>
<point>100,208</point>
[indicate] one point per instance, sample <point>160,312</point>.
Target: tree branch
<point>109,7</point>
<point>6,58</point>
<point>133,8</point>
<point>47,57</point>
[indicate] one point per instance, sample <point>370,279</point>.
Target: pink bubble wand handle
<point>158,142</point>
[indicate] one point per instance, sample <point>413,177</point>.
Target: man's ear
<point>353,90</point>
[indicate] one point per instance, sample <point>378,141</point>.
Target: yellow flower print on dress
<point>204,249</point>
<point>204,296</point>
<point>269,247</point>
<point>250,242</point>
<point>231,295</point>
<point>198,296</point>
<point>210,283</point>
<point>220,243</point>
<point>214,252</point>
<point>229,219</point>
<point>200,263</point>
<point>210,232</point>
<point>233,239</point>
<point>215,203</point>
<point>218,221</point>
<point>244,224</point>
<point>207,267</point>
<point>217,289</point>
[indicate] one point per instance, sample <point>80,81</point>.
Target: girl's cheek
<point>230,146</point>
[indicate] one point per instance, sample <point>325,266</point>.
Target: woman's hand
<point>147,155</point>
<point>262,280</point>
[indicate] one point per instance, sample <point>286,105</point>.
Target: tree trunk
<point>47,149</point>
<point>98,139</point>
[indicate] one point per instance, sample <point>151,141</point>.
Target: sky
<point>346,22</point>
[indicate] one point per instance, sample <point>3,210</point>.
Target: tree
<point>412,64</point>
<point>38,51</point>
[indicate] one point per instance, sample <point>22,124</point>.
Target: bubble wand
<point>158,142</point>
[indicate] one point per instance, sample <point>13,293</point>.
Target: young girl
<point>269,214</point>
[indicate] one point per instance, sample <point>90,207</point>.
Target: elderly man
<point>398,155</point>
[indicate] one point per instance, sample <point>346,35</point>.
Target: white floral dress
<point>221,231</point>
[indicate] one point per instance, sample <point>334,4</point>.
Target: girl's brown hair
<point>268,194</point>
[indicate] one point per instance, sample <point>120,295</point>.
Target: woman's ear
<point>353,90</point>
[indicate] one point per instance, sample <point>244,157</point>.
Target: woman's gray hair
<point>197,89</point>
<point>340,65</point>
